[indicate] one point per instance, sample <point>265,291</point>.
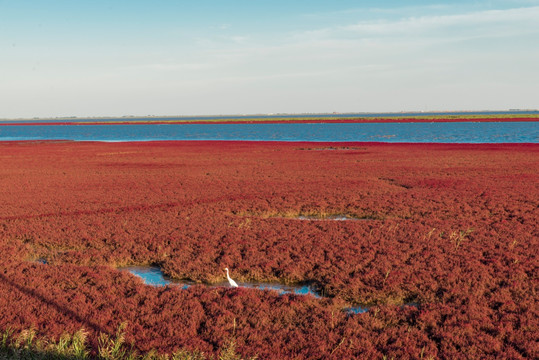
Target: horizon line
<point>278,114</point>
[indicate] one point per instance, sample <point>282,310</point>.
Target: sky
<point>80,58</point>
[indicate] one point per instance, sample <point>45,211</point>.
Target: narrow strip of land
<point>276,119</point>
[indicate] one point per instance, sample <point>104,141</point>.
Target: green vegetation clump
<point>28,346</point>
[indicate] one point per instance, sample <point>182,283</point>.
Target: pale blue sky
<point>113,58</point>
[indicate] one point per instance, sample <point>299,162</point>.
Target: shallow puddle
<point>332,148</point>
<point>280,288</point>
<point>288,216</point>
<point>356,310</point>
<point>152,275</point>
<point>333,217</point>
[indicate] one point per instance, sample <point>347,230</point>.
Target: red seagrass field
<point>441,246</point>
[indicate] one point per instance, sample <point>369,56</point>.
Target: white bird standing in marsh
<point>230,281</point>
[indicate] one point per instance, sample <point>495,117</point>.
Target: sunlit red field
<point>443,248</point>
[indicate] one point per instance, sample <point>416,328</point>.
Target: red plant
<point>452,228</point>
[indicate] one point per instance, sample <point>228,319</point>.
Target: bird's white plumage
<point>230,281</point>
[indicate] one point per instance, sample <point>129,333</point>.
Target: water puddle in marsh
<point>308,217</point>
<point>331,218</point>
<point>333,148</point>
<point>152,275</point>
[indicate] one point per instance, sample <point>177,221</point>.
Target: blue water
<point>458,132</point>
<point>152,275</point>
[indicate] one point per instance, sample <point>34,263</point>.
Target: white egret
<point>230,281</point>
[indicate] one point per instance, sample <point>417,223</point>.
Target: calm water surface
<point>152,275</point>
<point>458,132</point>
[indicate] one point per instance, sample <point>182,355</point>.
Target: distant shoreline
<point>285,116</point>
<point>271,119</point>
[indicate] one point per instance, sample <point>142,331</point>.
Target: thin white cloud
<point>298,75</point>
<point>363,11</point>
<point>354,48</point>
<point>171,66</point>
<point>415,57</point>
<point>423,24</point>
<point>238,39</point>
<point>488,23</point>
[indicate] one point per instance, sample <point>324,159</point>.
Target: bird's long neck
<point>227,276</point>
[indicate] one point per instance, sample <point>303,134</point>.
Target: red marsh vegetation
<point>451,229</point>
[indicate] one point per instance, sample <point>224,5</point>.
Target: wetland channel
<point>153,276</point>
